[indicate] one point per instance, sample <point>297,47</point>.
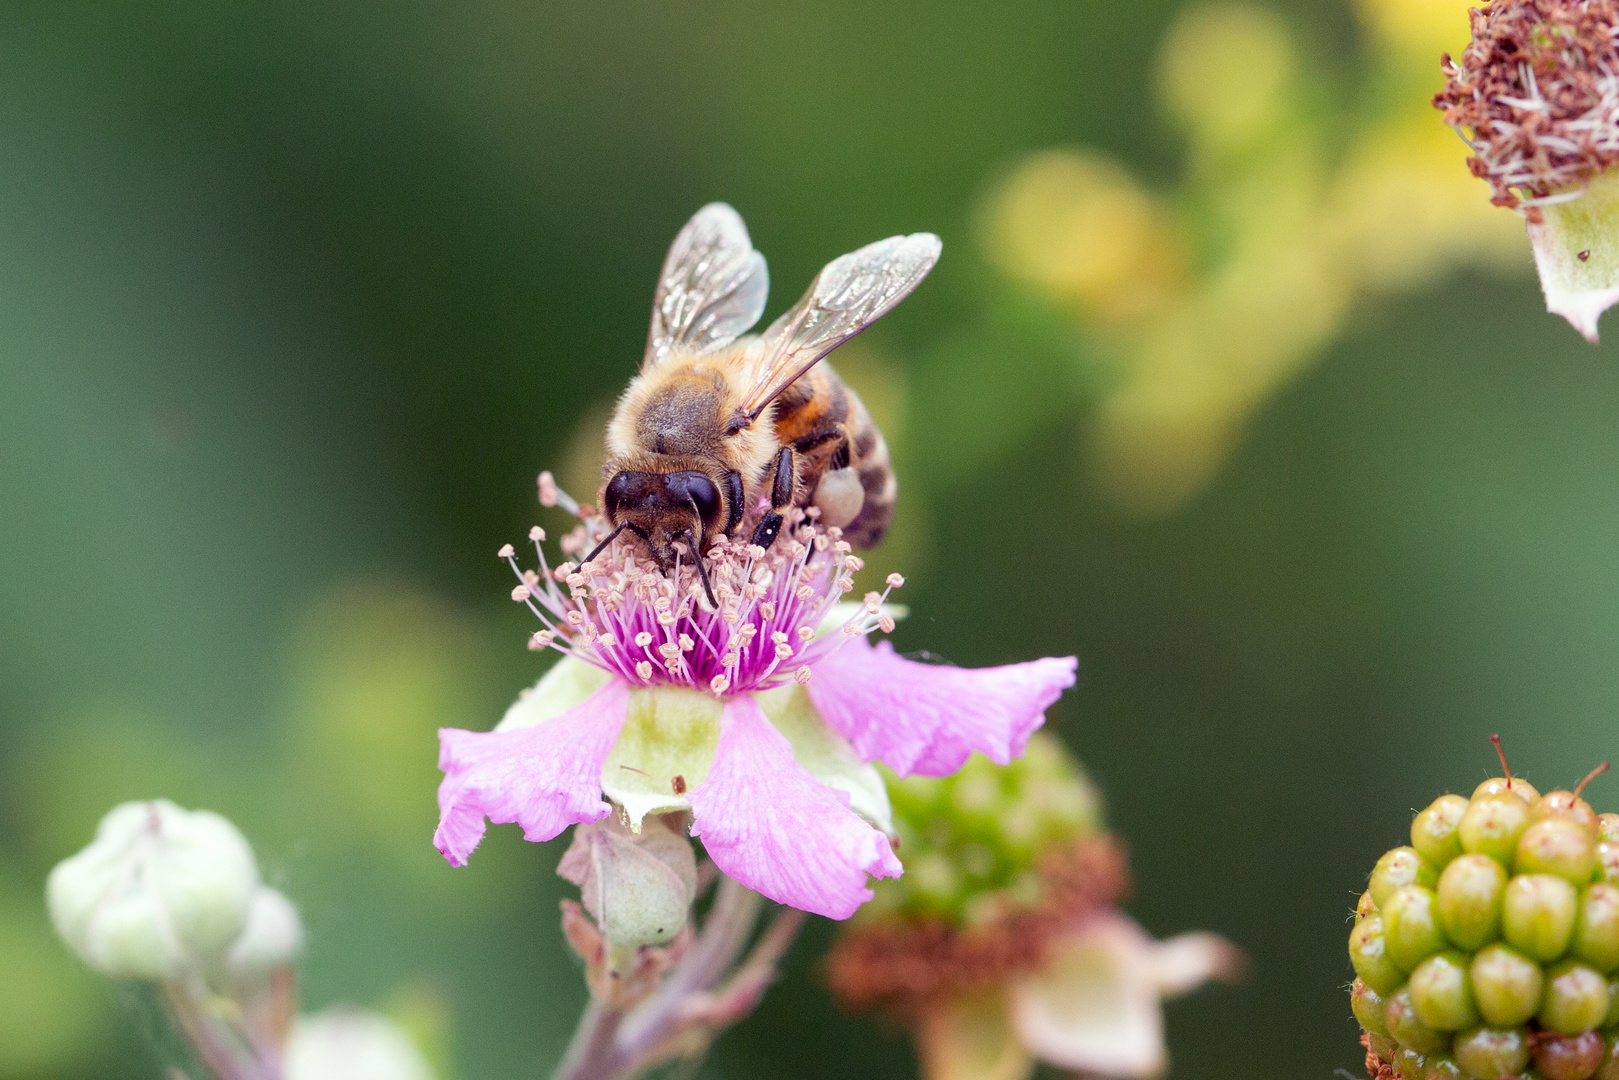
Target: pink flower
<point>754,718</point>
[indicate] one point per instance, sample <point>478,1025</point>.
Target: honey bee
<point>718,430</point>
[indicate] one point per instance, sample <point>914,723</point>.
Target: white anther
<point>507,551</point>
<point>643,639</point>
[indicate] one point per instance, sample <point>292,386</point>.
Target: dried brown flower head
<point>1536,97</point>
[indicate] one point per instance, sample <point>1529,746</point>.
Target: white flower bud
<point>158,892</point>
<point>273,936</point>
<point>351,1044</point>
<point>638,887</point>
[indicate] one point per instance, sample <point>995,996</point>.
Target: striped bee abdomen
<point>828,427</point>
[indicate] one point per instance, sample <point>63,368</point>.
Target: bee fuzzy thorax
<point>622,614</point>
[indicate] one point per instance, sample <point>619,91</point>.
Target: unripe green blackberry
<point>1410,1063</point>
<point>1442,993</point>
<point>1487,1051</point>
<point>1576,998</point>
<point>1444,1067</point>
<point>1368,1005</point>
<point>1470,893</point>
<point>974,839</point>
<point>1433,832</point>
<point>1398,868</point>
<point>1411,930</point>
<point>1596,930</point>
<point>1608,860</point>
<point>1537,915</point>
<point>1369,953</point>
<point>1489,948</point>
<point>1403,1023</point>
<point>1492,825</point>
<point>1514,785</point>
<point>1569,806</point>
<point>1558,845</point>
<point>1506,985</point>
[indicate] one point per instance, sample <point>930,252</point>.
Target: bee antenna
<point>702,571</point>
<point>599,547</point>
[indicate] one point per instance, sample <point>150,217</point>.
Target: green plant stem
<point>613,1043</point>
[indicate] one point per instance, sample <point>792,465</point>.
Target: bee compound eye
<point>621,489</point>
<point>696,487</point>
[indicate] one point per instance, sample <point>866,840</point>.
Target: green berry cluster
<point>980,831</point>
<point>1489,947</point>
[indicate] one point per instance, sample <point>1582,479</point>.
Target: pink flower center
<point>620,613</point>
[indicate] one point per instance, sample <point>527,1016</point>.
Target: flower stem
<point>221,1050</point>
<point>611,1043</point>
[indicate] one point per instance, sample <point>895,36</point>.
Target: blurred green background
<point>1237,389</point>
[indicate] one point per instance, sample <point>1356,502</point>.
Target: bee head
<point>661,508</point>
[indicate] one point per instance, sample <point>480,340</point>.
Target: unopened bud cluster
<point>164,892</point>
<point>1491,943</point>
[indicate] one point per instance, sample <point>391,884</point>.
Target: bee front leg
<point>781,497</point>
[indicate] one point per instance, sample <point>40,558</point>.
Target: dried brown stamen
<point>1536,97</point>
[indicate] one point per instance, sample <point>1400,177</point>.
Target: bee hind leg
<point>781,497</point>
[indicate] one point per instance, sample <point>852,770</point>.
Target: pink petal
<point>770,825</point>
<point>928,718</point>
<point>544,777</point>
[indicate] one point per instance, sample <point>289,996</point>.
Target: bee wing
<point>712,288</point>
<point>851,293</point>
